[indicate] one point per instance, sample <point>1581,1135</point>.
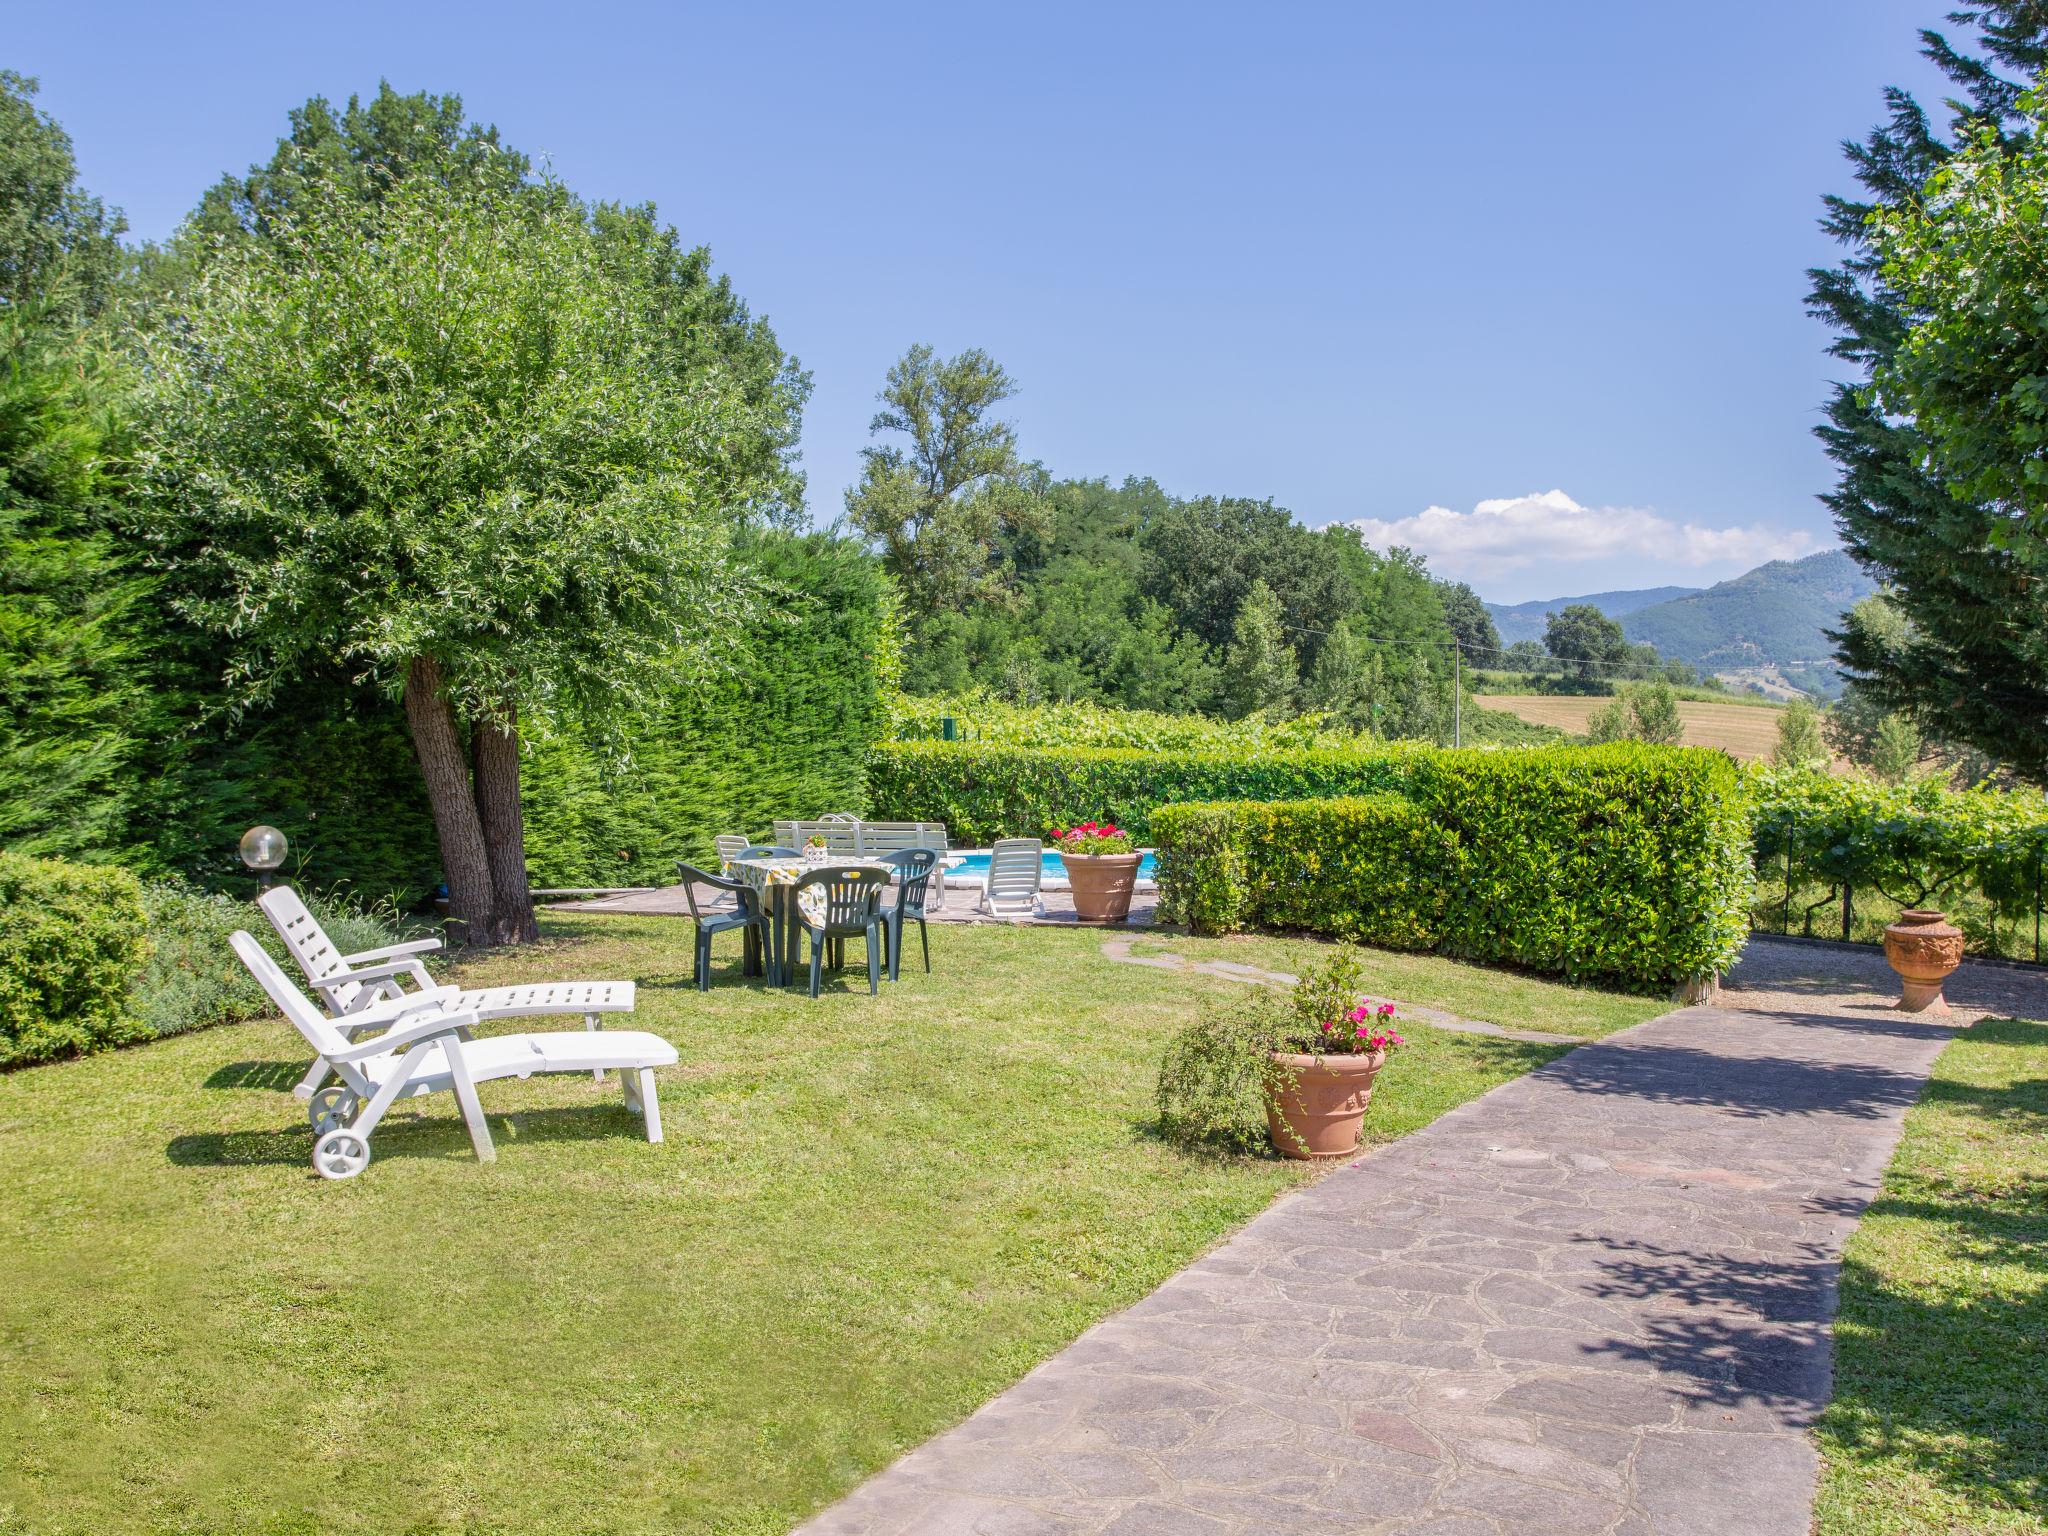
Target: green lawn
<point>1940,1418</point>
<point>869,1216</point>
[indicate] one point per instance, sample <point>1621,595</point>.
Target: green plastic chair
<point>913,868</point>
<point>745,914</point>
<point>851,898</point>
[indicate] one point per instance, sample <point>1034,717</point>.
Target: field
<point>1744,731</point>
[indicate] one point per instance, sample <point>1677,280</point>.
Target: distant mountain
<point>1524,621</point>
<point>1772,618</point>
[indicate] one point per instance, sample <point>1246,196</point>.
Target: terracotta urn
<point>1101,884</point>
<point>1923,947</point>
<point>1319,1112</point>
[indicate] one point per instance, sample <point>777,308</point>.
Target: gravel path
<point>1594,1300</point>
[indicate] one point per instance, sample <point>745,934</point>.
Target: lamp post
<point>263,849</point>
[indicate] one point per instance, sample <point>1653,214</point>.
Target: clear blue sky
<point>1364,259</point>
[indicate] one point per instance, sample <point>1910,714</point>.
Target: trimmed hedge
<point>1623,862</point>
<point>986,792</point>
<point>784,733</point>
<point>72,937</point>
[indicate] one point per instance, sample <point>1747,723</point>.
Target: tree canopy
<point>941,505</point>
<point>452,458</point>
<point>1935,440</point>
<point>1587,639</point>
<point>60,247</point>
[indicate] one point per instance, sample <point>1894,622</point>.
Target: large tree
<point>439,441</point>
<point>1960,558</point>
<point>1587,641</point>
<point>1259,669</point>
<point>366,149</point>
<point>1472,622</point>
<point>944,506</point>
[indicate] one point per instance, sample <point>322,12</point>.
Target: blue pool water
<point>975,867</point>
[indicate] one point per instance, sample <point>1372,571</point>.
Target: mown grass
<point>1940,1417</point>
<point>1491,995</point>
<point>869,1216</point>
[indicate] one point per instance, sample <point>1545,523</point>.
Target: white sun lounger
<point>421,1049</point>
<point>1016,868</point>
<point>349,984</point>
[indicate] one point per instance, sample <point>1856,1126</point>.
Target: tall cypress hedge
<point>783,731</point>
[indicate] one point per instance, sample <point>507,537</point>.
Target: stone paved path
<point>1594,1300</point>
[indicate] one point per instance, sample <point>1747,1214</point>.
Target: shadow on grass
<point>404,1135</point>
<point>268,1076</point>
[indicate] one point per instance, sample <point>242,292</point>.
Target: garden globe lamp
<point>263,849</point>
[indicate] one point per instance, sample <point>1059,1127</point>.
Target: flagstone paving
<point>1594,1300</point>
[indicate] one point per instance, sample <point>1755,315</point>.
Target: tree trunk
<point>471,908</point>
<point>504,825</point>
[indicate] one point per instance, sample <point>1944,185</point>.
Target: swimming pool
<point>972,868</point>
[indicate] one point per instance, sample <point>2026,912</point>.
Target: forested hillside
<point>1776,616</point>
<point>1525,621</point>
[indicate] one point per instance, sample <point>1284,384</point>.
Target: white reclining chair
<point>422,1049</point>
<point>1016,869</point>
<point>349,984</point>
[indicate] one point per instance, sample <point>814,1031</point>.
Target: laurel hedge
<point>72,937</point>
<point>1625,862</point>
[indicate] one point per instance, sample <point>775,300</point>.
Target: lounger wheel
<point>331,1108</point>
<point>341,1155</point>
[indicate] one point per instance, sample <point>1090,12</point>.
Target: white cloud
<point>1499,537</point>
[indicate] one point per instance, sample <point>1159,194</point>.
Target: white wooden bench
<point>846,837</point>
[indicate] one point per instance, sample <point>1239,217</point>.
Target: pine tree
<point>1969,662</point>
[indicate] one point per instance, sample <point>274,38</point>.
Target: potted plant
<point>1300,1070</point>
<point>1102,870</point>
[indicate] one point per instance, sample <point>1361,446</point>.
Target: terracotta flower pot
<point>1923,947</point>
<point>1102,884</point>
<point>1318,1114</point>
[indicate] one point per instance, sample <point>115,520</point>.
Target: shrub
<point>782,732</point>
<point>192,978</point>
<point>1624,862</point>
<point>72,937</point>
<point>1218,1070</point>
<point>1367,867</point>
